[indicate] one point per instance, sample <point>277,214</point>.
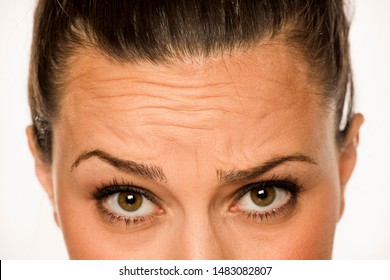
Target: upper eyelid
<point>246,188</point>
<point>107,190</point>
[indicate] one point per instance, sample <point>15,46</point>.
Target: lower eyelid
<point>115,218</point>
<point>110,211</point>
<point>262,216</point>
<point>246,199</point>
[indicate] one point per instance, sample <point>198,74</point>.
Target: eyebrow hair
<point>234,176</point>
<point>148,171</point>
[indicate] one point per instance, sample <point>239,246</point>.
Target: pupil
<point>262,194</point>
<point>130,199</point>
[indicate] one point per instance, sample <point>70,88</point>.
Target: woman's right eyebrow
<point>147,171</point>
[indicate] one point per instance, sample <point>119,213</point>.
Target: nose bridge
<point>199,237</point>
<point>195,236</point>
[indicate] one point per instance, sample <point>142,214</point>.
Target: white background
<point>278,270</point>
<point>27,228</point>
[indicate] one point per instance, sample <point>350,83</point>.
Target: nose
<point>197,237</point>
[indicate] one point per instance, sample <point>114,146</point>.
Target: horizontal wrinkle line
<point>187,86</point>
<point>130,94</point>
<point>162,84</point>
<point>180,110</point>
<point>152,96</point>
<point>174,98</point>
<point>181,126</point>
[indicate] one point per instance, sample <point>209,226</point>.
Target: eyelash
<point>288,183</point>
<point>105,190</point>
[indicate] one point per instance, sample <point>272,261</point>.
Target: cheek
<point>307,234</point>
<point>87,237</point>
<point>312,237</point>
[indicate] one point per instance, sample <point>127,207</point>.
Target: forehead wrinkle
<point>177,84</point>
<point>120,88</point>
<point>98,65</point>
<point>175,95</point>
<point>92,68</point>
<point>272,129</point>
<point>175,98</point>
<point>170,110</point>
<point>117,87</point>
<point>170,103</point>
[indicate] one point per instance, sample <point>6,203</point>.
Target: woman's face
<point>232,157</point>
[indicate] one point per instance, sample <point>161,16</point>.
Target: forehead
<point>244,105</point>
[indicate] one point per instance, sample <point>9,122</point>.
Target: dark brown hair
<point>158,30</point>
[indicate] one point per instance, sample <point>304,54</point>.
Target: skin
<point>191,118</point>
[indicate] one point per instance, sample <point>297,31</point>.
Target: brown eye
<point>129,201</point>
<point>265,199</point>
<point>263,196</point>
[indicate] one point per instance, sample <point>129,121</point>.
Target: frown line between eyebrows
<point>234,176</point>
<point>147,171</point>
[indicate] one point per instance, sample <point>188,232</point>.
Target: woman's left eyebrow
<point>235,176</point>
